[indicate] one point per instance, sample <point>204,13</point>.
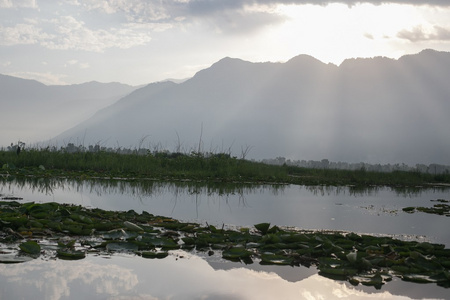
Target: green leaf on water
<point>71,254</point>
<point>338,271</point>
<point>274,259</point>
<point>154,254</point>
<point>262,227</point>
<point>69,244</point>
<point>122,246</point>
<point>30,247</point>
<point>132,226</point>
<point>13,259</point>
<point>352,256</point>
<point>236,253</point>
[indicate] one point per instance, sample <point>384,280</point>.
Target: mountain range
<point>32,112</point>
<point>375,110</point>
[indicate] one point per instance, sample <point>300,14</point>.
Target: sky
<point>142,41</point>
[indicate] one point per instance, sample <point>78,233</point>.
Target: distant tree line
<point>326,164</point>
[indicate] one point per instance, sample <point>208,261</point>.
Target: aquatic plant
<point>71,232</point>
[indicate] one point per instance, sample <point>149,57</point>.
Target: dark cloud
<point>229,13</point>
<point>418,34</point>
<point>233,16</point>
<point>197,8</point>
<point>208,6</point>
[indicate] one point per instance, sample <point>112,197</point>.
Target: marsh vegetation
<point>30,230</point>
<point>163,165</point>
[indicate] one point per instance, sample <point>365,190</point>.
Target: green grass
<point>195,166</point>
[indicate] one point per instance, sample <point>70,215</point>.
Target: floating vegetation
<point>437,209</point>
<point>71,232</point>
<point>30,247</point>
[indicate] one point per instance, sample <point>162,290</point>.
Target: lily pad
<point>13,259</point>
<point>236,253</point>
<point>132,226</point>
<point>71,254</point>
<point>262,227</point>
<point>274,259</point>
<point>122,246</point>
<point>30,247</point>
<point>154,254</point>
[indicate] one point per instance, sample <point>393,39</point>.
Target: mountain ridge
<point>33,111</point>
<point>368,109</point>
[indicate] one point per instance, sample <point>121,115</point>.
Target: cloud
<point>22,34</point>
<point>222,16</point>
<point>135,10</point>
<point>68,33</point>
<point>419,34</point>
<point>240,21</point>
<point>76,63</point>
<point>44,77</point>
<point>18,4</point>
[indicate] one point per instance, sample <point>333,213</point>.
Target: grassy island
<point>196,166</point>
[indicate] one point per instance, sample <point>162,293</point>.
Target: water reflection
<point>144,187</point>
<point>180,276</point>
<point>147,187</point>
<point>373,210</point>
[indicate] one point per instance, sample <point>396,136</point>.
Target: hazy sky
<point>142,41</point>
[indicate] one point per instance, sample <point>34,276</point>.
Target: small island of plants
<point>164,165</point>
<point>71,232</point>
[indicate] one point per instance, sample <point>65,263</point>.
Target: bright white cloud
<point>22,34</point>
<point>76,63</point>
<point>68,33</point>
<point>47,78</point>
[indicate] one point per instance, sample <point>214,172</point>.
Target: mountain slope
<point>32,111</point>
<point>372,110</point>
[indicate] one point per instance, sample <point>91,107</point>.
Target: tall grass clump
<point>165,165</point>
<point>161,165</point>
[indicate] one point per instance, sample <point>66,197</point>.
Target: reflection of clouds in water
<point>191,277</point>
<point>57,279</point>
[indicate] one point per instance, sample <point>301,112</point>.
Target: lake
<point>195,275</point>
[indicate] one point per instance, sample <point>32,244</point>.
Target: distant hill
<point>32,111</point>
<point>375,110</point>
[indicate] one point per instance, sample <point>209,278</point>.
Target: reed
<point>196,166</point>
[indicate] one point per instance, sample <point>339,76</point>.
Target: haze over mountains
<point>375,110</point>
<point>32,112</point>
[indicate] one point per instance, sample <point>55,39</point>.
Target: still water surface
<point>192,275</point>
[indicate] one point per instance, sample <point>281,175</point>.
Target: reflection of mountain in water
<point>291,274</point>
